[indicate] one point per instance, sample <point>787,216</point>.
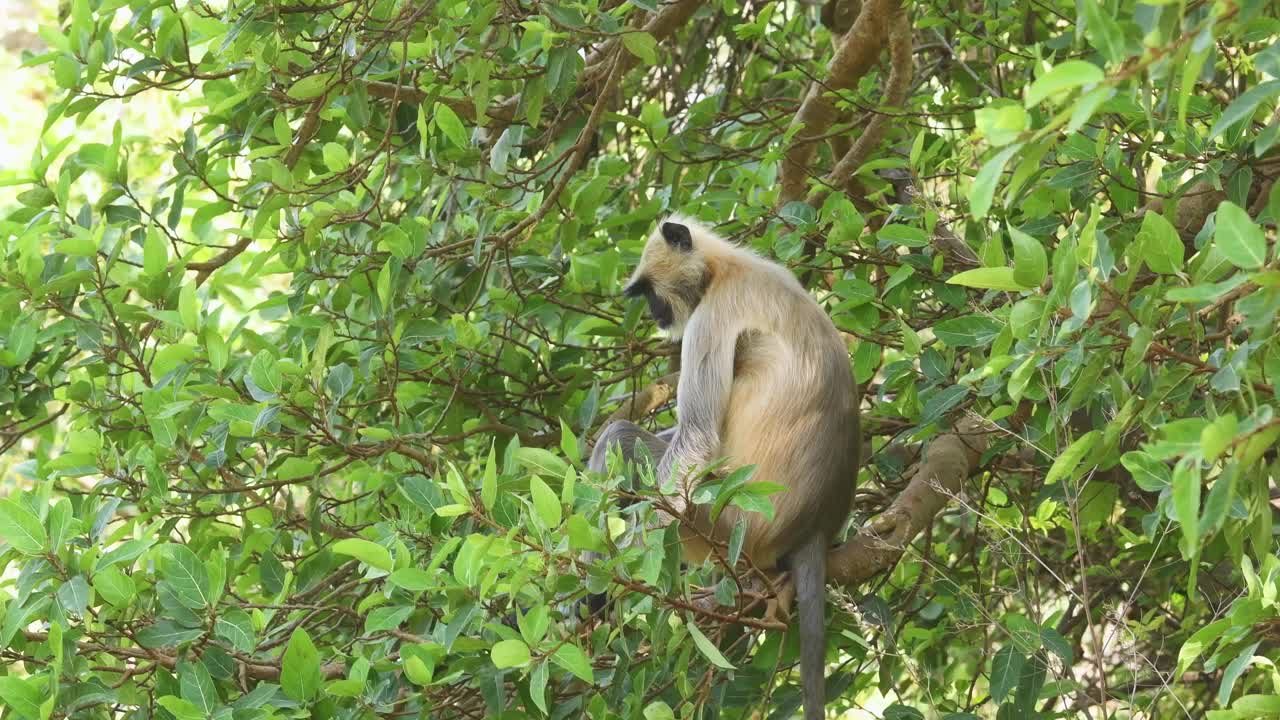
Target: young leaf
<point>1159,244</point>
<point>708,648</point>
<point>642,45</point>
<point>1186,498</point>
<point>370,553</point>
<point>545,502</point>
<point>1030,264</point>
<point>571,658</point>
<point>1063,77</point>
<point>489,485</point>
<point>1238,238</point>
<point>447,120</point>
<point>300,668</point>
<point>983,190</point>
<point>510,653</point>
<point>336,157</point>
<point>992,278</point>
<point>21,528</point>
<point>155,253</point>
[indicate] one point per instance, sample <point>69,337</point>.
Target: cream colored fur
<point>765,381</point>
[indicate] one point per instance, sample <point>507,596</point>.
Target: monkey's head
<point>673,274</point>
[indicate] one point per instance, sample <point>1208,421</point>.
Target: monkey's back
<point>792,413</point>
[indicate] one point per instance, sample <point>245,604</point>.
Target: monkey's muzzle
<point>660,309</point>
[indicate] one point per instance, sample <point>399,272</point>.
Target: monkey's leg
<point>626,436</point>
<point>778,609</point>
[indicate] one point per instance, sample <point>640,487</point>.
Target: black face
<point>660,309</point>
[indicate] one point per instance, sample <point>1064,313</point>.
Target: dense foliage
<point>295,387</point>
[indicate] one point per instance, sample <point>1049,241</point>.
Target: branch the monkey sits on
<point>765,380</point>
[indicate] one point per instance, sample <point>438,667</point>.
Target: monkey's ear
<point>677,236</point>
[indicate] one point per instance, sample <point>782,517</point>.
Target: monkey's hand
<point>680,468</point>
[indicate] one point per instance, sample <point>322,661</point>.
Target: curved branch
<point>858,52</point>
<point>895,96</point>
<point>949,459</point>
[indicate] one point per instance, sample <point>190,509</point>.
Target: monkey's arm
<point>702,398</point>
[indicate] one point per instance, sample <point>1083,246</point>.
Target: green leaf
<point>538,686</point>
<point>510,653</point>
<point>1258,705</point>
<point>189,307</point>
<point>642,45</point>
<point>74,595</point>
<point>21,528</point>
<point>265,373</point>
<point>658,710</point>
<point>991,278</point>
<point>386,618</point>
<point>336,157</point>
<point>1104,34</point>
<point>412,579</point>
<point>707,648</point>
<point>216,348</point>
<point>545,502</point>
<point>167,634</point>
<point>1186,499</point>
<point>1244,106</point>
<point>1217,436</point>
<point>1233,672</point>
<point>310,87</point>
<point>22,695</point>
<point>1070,459</point>
<point>370,553</point>
<point>181,709</point>
<point>543,462</point>
<point>1238,238</point>
<point>1001,122</point>
<point>155,253</point>
<point>1063,77</point>
<point>571,658</point>
<point>114,586</point>
<point>1159,244</point>
<point>969,331</point>
<point>984,183</point>
<point>197,686</point>
<point>187,576</point>
<point>300,668</point>
<point>1030,264</point>
<point>489,485</point>
<point>236,627</point>
<point>449,123</point>
<point>1006,668</point>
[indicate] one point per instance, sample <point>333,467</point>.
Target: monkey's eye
<point>637,288</point>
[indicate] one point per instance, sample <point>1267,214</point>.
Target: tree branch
<point>895,96</point>
<point>858,52</point>
<point>949,459</point>
<point>310,123</point>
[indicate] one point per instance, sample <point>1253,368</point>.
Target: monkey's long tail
<point>809,570</point>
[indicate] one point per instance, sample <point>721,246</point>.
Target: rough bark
<point>858,51</point>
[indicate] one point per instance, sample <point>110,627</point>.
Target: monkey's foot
<point>778,608</point>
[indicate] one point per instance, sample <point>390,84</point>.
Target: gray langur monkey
<point>765,380</point>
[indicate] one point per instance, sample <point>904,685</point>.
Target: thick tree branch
<point>895,96</point>
<point>949,459</point>
<point>858,52</point>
